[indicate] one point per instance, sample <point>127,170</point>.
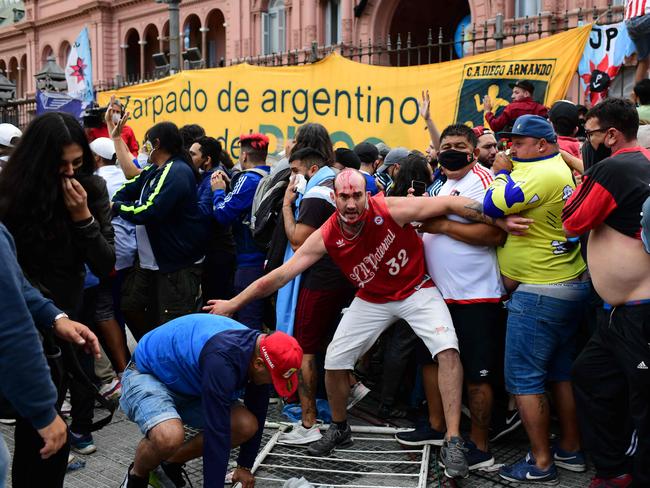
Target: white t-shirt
<point>464,273</point>
<point>114,178</point>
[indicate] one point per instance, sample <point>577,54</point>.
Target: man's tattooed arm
<point>473,210</point>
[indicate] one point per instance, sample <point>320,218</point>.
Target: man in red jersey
<point>372,241</point>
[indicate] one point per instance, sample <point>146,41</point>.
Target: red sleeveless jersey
<point>386,261</point>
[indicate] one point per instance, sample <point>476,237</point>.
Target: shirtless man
<point>372,241</point>
<point>612,375</point>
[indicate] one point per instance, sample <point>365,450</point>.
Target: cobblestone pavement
<point>116,446</point>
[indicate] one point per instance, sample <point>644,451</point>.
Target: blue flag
<point>58,102</point>
<point>79,69</point>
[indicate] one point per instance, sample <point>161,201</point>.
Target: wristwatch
<point>62,315</point>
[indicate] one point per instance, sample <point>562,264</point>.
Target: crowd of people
<point>505,267</point>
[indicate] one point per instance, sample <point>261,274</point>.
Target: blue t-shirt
<point>208,356</point>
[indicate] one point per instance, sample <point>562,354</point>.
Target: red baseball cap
<point>283,357</point>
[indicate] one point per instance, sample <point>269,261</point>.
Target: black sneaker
<point>421,436</point>
<point>176,474</point>
<point>332,439</point>
<point>505,425</point>
<point>133,481</point>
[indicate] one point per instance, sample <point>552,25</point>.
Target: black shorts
<point>480,328</point>
<point>163,296</point>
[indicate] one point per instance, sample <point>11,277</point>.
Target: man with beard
<point>611,375</point>
<point>463,263</point>
<point>487,146</point>
<point>372,241</point>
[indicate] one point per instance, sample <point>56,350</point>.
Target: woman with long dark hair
<point>59,216</point>
<point>171,233</point>
<point>413,168</point>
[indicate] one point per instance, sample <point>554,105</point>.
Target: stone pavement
<point>116,445</point>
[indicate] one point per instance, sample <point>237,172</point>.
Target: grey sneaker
<point>452,456</point>
<point>333,438</point>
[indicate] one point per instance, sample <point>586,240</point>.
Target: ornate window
<point>273,28</point>
<point>332,22</point>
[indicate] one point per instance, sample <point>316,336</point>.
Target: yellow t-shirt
<point>536,189</point>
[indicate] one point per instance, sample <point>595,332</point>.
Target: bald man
<point>372,241</point>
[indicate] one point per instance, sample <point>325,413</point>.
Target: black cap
<point>524,85</point>
<point>564,109</point>
<point>347,157</point>
<point>368,153</point>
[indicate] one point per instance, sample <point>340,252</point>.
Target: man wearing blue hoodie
<point>234,209</point>
<point>26,381</point>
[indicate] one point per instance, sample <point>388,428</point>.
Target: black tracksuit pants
<point>611,380</point>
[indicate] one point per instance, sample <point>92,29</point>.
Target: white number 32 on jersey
<point>394,266</point>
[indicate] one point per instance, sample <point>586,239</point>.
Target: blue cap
<point>532,126</point>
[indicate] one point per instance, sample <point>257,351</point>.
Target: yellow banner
<point>355,101</point>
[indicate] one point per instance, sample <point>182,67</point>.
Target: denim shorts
<point>541,339</point>
<point>148,402</point>
<point>639,30</point>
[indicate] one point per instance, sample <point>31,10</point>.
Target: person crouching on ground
<point>191,371</point>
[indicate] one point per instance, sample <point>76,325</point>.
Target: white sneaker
<point>66,407</point>
<point>357,393</point>
<point>112,390</point>
<point>299,435</point>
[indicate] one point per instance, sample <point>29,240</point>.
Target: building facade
<point>125,34</point>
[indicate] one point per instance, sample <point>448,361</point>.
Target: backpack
<point>267,206</point>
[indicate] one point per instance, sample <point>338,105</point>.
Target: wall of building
<point>125,34</point>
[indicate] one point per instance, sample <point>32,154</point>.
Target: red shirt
<point>386,261</point>
<point>570,145</point>
<point>612,192</point>
<point>514,110</point>
<point>127,135</point>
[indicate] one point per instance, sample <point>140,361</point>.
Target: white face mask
<point>143,159</point>
<point>116,118</point>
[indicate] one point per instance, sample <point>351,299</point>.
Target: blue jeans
<point>147,401</point>
<point>639,30</point>
<point>541,339</point>
<point>4,462</point>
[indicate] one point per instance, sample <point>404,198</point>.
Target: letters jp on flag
<point>605,53</point>
<point>79,71</point>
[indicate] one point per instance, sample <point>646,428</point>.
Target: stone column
<point>310,28</point>
<point>142,63</point>
<point>347,22</point>
<point>123,48</point>
<point>204,45</point>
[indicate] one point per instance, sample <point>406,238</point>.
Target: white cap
<point>103,147</point>
<point>7,133</point>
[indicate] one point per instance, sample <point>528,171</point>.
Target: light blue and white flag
<point>79,70</point>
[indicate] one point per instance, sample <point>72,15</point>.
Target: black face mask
<point>454,160</point>
<point>601,152</point>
